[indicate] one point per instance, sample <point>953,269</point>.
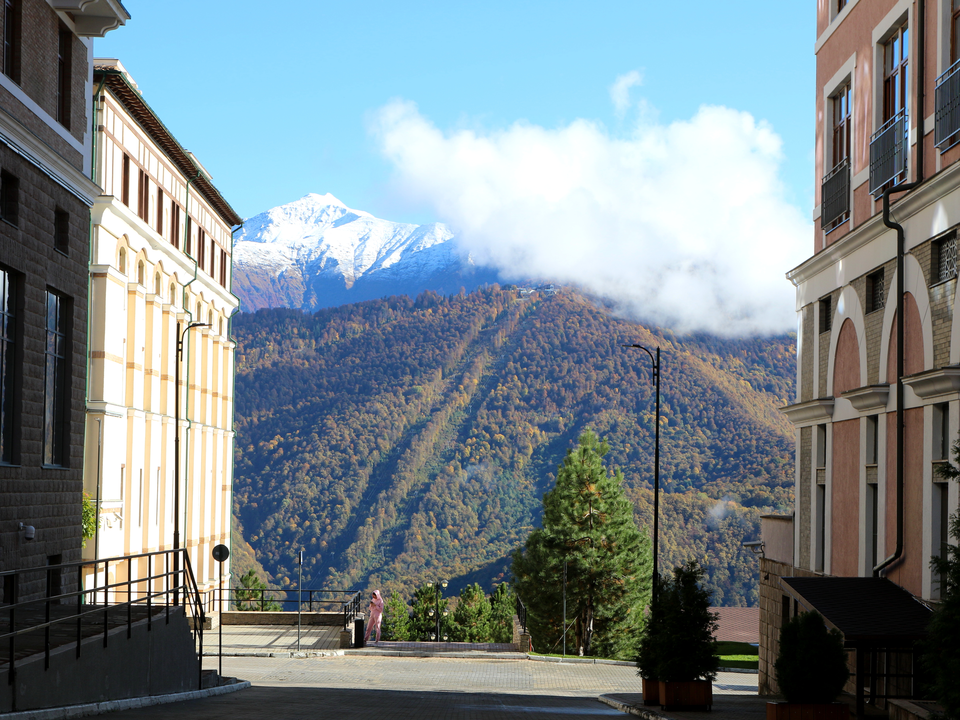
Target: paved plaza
<point>373,685</point>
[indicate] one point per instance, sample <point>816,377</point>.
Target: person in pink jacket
<point>375,616</point>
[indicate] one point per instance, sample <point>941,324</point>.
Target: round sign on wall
<point>221,553</point>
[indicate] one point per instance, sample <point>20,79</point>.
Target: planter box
<point>807,711</point>
<point>687,694</point>
<point>651,691</point>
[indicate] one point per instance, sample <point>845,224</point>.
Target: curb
<point>282,654</point>
<point>632,709</point>
<point>580,660</point>
<point>88,709</point>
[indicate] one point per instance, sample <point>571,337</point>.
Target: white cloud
<point>620,90</point>
<point>683,224</point>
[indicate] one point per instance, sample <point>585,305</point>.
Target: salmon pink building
<point>878,378</point>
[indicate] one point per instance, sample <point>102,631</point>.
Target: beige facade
<point>161,255</point>
<point>887,78</point>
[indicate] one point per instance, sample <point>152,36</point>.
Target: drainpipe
<point>189,314</point>
<point>901,241</point>
<point>90,259</point>
<point>228,511</point>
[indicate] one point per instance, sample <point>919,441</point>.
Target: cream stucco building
<point>160,255</point>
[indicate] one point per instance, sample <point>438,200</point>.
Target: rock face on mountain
<point>316,252</point>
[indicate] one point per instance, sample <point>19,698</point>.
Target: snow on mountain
<point>316,252</point>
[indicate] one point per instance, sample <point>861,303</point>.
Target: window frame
<point>11,364</point>
<point>875,291</point>
<point>56,381</point>
<point>10,198</point>
<point>11,39</point>
<point>64,72</point>
<point>939,273</point>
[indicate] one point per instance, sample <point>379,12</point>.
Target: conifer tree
<point>471,619</point>
<point>588,523</point>
<point>396,619</point>
<point>502,609</point>
<point>423,625</point>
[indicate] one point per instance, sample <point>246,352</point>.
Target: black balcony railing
<point>888,153</point>
<point>947,132</point>
<point>835,196</point>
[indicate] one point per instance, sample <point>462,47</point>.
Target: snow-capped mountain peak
<point>297,254</point>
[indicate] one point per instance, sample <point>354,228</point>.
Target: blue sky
<point>657,153</point>
<point>276,104</point>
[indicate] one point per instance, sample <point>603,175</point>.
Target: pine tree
<point>589,524</point>
<point>396,619</point>
<point>423,624</point>
<point>471,619</point>
<point>502,609</point>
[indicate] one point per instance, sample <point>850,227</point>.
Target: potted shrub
<point>679,650</point>
<point>811,671</point>
<point>652,648</point>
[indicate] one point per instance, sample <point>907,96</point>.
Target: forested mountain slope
<point>403,440</point>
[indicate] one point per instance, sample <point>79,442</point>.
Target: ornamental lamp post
<point>438,589</point>
<point>176,452</point>
<point>655,368</point>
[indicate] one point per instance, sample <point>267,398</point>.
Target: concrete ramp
<point>157,658</point>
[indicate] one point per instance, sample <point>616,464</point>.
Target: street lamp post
<point>176,453</point>
<point>438,589</point>
<point>655,362</point>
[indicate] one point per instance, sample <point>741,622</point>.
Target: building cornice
<point>121,87</point>
<point>944,182</point>
<point>93,18</point>
<point>811,412</point>
<point>944,381</point>
<point>870,397</point>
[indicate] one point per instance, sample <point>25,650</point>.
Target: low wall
<point>253,617</point>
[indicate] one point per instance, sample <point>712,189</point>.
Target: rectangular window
<point>55,418</point>
<point>159,210</point>
<point>821,446</point>
<point>61,231</point>
<point>826,314</point>
<point>9,369</point>
<point>873,423</point>
<point>941,432</point>
<point>11,39</point>
<point>223,268</point>
<point>841,124</point>
<point>954,31</point>
<point>10,198</point>
<point>125,181</point>
<point>875,291</point>
<point>175,225</point>
<point>64,54</point>
<point>841,4</point>
<point>186,236</point>
<point>821,527</point>
<point>143,197</point>
<point>201,247</point>
<point>944,257</point>
<point>873,502</point>
<point>896,78</point>
<point>835,190</point>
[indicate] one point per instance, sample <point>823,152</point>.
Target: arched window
<point>210,318</point>
<point>140,273</point>
<point>220,329</point>
<point>158,286</point>
<point>122,261</point>
<point>173,294</point>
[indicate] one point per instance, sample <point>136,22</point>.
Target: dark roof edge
<point>133,101</point>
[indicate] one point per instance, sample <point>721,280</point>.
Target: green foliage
<point>427,607</point>
<point>399,439</point>
<point>503,604</point>
<point>942,648</point>
<point>471,618</point>
<point>396,619</point>
<point>678,644</point>
<point>588,523</point>
<point>812,664</point>
<point>252,597</point>
<point>88,519</point>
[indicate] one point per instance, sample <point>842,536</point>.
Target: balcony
<point>947,131</point>
<point>888,153</point>
<point>835,196</point>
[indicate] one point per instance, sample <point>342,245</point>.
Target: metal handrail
<point>351,608</point>
<point>835,194</point>
<point>947,102</point>
<point>888,152</point>
<point>85,608</point>
<point>522,614</point>
<point>306,598</point>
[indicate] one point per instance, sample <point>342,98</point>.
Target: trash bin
<point>358,632</point>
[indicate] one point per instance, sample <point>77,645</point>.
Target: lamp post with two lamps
<point>435,611</point>
<point>181,335</point>
<point>655,363</point>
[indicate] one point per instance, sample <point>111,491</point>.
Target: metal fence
<point>888,153</point>
<point>947,131</point>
